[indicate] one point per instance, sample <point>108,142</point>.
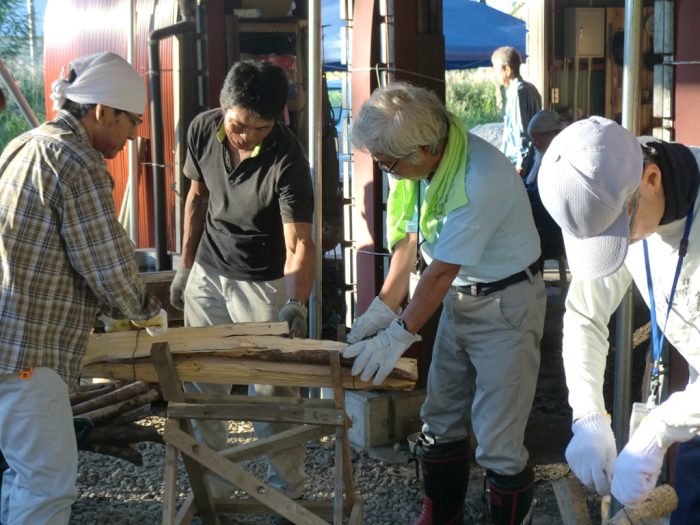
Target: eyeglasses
<point>386,168</point>
<point>135,119</point>
<point>632,210</point>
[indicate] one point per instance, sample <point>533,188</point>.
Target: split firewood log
<point>106,412</point>
<point>111,397</point>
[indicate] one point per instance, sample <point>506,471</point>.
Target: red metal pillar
<point>367,180</point>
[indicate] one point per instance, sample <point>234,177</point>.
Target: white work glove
<point>377,317</point>
<point>156,325</point>
<point>294,314</point>
<point>591,452</point>
<point>638,466</point>
<point>177,288</point>
<point>381,353</point>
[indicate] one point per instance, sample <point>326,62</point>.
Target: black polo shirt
<point>243,237</point>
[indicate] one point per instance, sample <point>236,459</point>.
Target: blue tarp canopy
<point>472,31</point>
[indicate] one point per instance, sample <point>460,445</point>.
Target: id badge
<point>639,412</point>
<point>413,279</point>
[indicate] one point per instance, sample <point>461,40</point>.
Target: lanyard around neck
<point>657,337</point>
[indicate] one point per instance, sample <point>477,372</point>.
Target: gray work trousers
<point>211,299</point>
<point>484,371</point>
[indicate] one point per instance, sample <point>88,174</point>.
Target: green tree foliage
<point>14,51</point>
<point>471,95</point>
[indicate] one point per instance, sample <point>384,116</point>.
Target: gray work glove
<point>377,317</point>
<point>294,313</point>
<point>177,288</point>
<point>377,357</point>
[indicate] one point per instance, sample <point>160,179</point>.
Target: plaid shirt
<point>63,254</point>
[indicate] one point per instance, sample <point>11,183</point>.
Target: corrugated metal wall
<point>79,27</point>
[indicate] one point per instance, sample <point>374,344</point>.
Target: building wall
<point>73,28</point>
<point>687,103</point>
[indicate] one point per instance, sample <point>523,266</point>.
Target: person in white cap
<point>522,101</point>
<point>628,212</point>
<point>65,258</point>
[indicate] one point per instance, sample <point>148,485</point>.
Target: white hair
<point>398,119</point>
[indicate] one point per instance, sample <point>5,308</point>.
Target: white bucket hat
<point>588,174</point>
<point>102,78</point>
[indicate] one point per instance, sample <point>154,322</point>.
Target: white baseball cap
<point>588,174</point>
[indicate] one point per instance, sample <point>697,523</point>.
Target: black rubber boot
<point>511,497</point>
<point>445,468</point>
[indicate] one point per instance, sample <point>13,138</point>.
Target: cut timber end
<point>571,501</point>
<point>660,502</point>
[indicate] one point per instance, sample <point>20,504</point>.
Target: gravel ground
<point>115,492</point>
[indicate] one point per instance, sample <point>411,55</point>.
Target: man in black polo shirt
<point>247,251</point>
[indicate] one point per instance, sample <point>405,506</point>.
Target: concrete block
<point>404,409</point>
<point>369,413</point>
<point>382,418</point>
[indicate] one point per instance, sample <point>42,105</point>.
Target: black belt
<point>489,288</point>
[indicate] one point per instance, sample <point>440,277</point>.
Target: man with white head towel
<point>65,258</point>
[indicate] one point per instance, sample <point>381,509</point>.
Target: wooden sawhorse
<point>317,418</point>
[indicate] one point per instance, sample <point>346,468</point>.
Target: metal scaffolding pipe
<point>622,401</point>
<point>314,149</point>
<point>163,260</point>
<point>16,93</point>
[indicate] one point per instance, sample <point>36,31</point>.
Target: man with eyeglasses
<point>628,210</point>
<point>65,258</point>
<point>461,197</point>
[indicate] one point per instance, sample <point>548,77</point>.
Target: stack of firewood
<point>105,417</point>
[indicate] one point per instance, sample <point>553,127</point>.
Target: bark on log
<point>104,413</point>
<point>84,395</point>
<point>110,398</point>
<point>133,415</point>
<point>125,453</point>
<point>123,434</point>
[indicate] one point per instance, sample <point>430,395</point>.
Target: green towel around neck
<point>446,191</point>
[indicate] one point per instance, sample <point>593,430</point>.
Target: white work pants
<point>38,441</point>
<point>212,300</point>
<point>484,368</point>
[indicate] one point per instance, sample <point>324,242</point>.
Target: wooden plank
<point>323,508</point>
<point>254,487</point>
<point>275,443</point>
<point>357,513</point>
<point>263,401</point>
<point>133,344</point>
<point>171,388</point>
<point>186,512</point>
<point>170,485</point>
<point>252,412</point>
<point>342,434</point>
<point>571,502</point>
<point>222,370</point>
